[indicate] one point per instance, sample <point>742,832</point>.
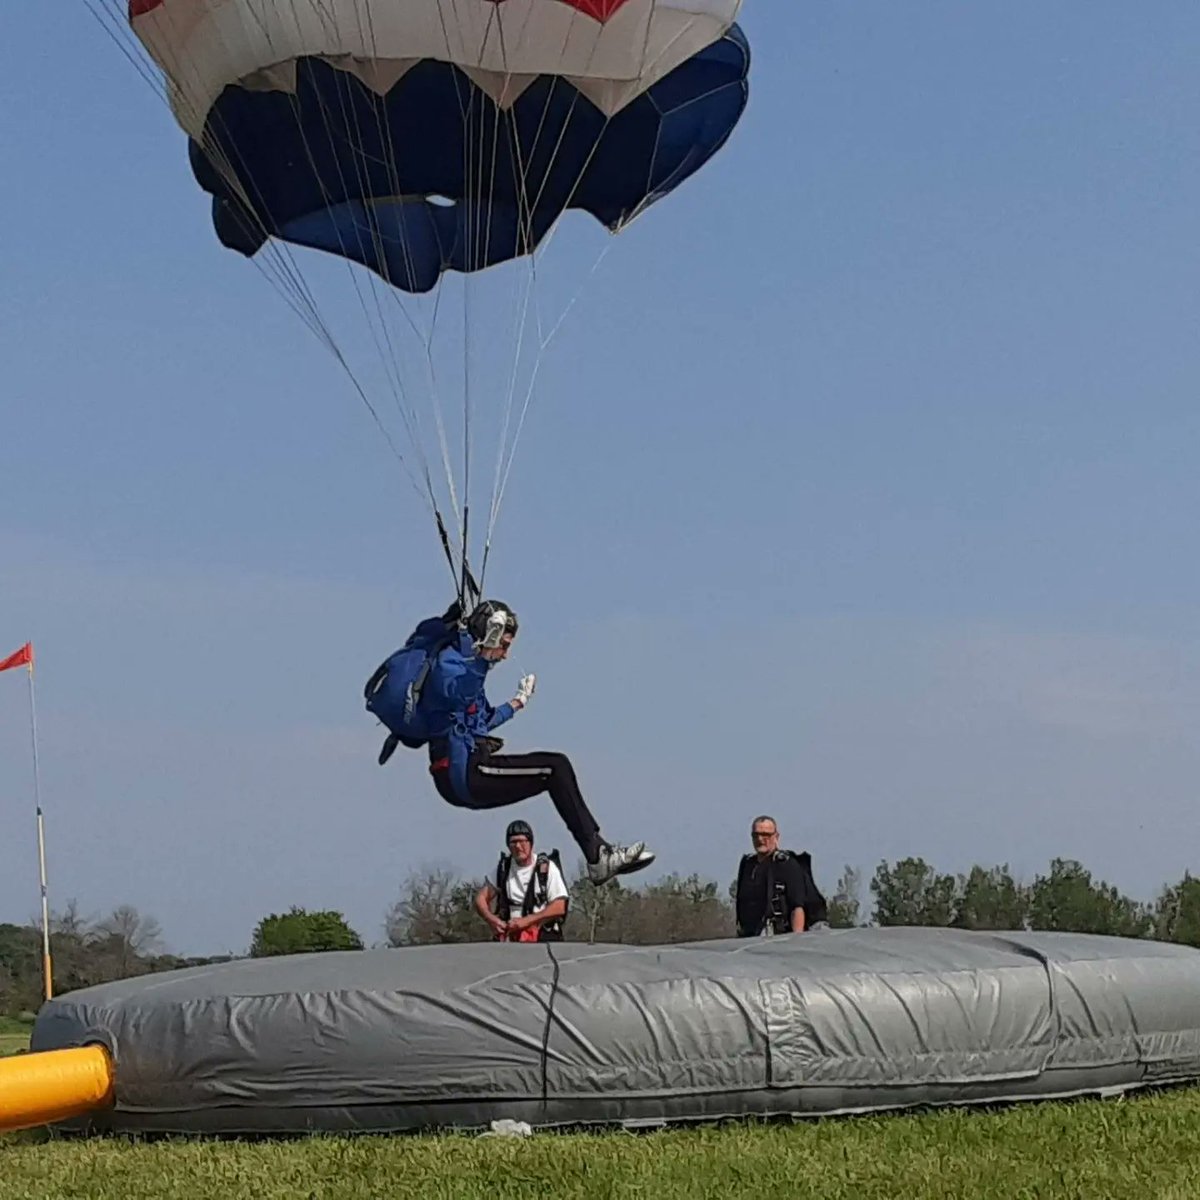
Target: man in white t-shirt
<point>527,900</point>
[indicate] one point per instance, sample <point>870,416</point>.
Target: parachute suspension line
<point>473,216</point>
<point>372,232</point>
<point>122,37</point>
<point>487,248</point>
<point>407,413</point>
<point>338,354</point>
<point>435,389</point>
<point>473,199</point>
<point>503,466</point>
<point>141,60</point>
<point>425,336</point>
<point>478,235</point>
<point>331,341</point>
<point>524,236</point>
<point>290,282</point>
<point>384,122</point>
<point>497,126</point>
<point>476,212</point>
<point>466,570</point>
<point>411,417</point>
<point>502,485</point>
<point>640,209</point>
<point>286,279</point>
<point>462,578</point>
<point>383,128</point>
<point>371,240</point>
<point>408,416</point>
<point>274,248</point>
<point>544,341</point>
<point>466,115</point>
<point>640,79</point>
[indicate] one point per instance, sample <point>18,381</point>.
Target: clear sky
<point>859,487</point>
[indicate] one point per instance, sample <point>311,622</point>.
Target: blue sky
<point>859,487</point>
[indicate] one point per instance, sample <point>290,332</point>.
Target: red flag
<point>23,657</point>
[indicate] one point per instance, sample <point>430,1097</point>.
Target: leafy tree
<point>20,969</point>
<point>1068,899</point>
<point>299,932</point>
<point>83,953</point>
<point>913,893</point>
<point>675,909</point>
<point>989,898</point>
<point>1177,912</point>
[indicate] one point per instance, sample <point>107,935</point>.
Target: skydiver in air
<point>431,693</point>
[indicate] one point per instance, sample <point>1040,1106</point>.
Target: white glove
<point>524,690</point>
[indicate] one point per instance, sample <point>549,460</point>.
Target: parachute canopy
<point>416,136</point>
<point>427,140</point>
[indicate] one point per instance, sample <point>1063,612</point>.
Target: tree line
<point>85,951</point>
<point>436,906</point>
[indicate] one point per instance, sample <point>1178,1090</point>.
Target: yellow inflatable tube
<point>39,1089</point>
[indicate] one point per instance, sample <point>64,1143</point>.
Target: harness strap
<point>536,893</point>
<point>503,906</point>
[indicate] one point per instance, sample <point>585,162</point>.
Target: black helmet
<point>477,622</point>
<point>518,829</point>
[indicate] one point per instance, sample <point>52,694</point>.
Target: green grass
<point>1142,1149</point>
<point>14,1036</point>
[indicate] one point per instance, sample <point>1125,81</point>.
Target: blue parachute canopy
<point>432,175</point>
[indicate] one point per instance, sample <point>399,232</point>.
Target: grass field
<point>14,1036</point>
<point>1142,1149</point>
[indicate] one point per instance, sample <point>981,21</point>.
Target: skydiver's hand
<point>524,691</point>
<point>499,927</point>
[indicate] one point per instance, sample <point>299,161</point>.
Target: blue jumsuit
<point>466,770</point>
<point>455,691</point>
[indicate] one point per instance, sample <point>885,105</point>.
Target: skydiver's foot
<point>619,860</point>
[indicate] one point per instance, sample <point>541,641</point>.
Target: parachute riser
<point>469,592</point>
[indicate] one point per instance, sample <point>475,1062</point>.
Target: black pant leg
<point>497,780</point>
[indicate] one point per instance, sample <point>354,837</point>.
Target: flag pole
<point>47,973</point>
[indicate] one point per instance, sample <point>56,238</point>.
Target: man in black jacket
<point>776,892</point>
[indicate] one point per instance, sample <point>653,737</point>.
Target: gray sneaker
<point>619,860</point>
